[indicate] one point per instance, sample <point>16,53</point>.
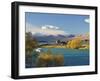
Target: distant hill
<point>83,37</point>
<point>53,38</point>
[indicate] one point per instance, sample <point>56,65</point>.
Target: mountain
<point>52,38</point>
<point>40,37</point>
<point>83,37</point>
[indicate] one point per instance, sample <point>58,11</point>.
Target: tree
<point>74,44</point>
<point>30,43</point>
<point>68,44</point>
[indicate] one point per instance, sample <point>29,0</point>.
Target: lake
<point>72,57</point>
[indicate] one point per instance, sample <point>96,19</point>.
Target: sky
<point>47,23</point>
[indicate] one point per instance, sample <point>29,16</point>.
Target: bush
<point>49,59</point>
<point>59,60</point>
<point>45,59</point>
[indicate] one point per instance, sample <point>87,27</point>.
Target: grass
<point>47,58</point>
<point>54,46</point>
<point>62,46</point>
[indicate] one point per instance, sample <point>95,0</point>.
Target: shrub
<point>59,60</point>
<point>46,59</point>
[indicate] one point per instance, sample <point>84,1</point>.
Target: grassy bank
<point>61,46</point>
<point>54,46</point>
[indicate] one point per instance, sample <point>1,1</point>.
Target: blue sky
<point>72,24</point>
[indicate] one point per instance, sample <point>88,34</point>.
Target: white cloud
<point>43,27</point>
<point>57,27</point>
<point>87,20</point>
<point>46,30</point>
<point>49,27</point>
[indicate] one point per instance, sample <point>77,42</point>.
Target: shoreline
<point>61,46</point>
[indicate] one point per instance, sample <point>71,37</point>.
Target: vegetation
<point>54,46</point>
<point>59,60</point>
<point>30,43</point>
<point>78,43</point>
<point>49,59</point>
<point>74,44</point>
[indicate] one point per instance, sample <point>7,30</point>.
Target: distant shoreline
<point>60,46</point>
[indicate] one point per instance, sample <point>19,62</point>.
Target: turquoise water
<point>72,57</point>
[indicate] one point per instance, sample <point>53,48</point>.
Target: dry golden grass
<point>54,46</point>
